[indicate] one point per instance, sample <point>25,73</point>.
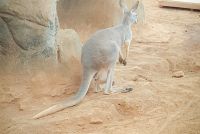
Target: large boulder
<point>27,31</point>
<point>69,47</point>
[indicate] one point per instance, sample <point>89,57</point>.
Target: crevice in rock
<point>23,48</point>
<point>5,14</point>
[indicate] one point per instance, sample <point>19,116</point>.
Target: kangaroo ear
<point>123,6</point>
<point>135,6</point>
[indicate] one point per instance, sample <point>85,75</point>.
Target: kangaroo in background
<point>100,53</point>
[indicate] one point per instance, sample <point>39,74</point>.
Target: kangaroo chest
<point>127,36</point>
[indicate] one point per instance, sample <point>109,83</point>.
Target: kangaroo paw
<point>121,60</point>
<point>124,62</point>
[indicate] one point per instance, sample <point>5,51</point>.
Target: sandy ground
<point>159,103</point>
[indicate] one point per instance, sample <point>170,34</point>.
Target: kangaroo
<point>101,52</point>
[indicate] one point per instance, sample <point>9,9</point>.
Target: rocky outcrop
<point>69,49</point>
<point>30,34</point>
<point>27,30</point>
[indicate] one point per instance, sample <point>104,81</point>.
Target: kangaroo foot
<point>106,93</point>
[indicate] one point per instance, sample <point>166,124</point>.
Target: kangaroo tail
<point>86,79</point>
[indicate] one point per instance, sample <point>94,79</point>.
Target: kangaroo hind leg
<point>97,83</point>
<point>109,81</point>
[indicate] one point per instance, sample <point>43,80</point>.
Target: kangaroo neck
<point>126,27</point>
<point>126,32</point>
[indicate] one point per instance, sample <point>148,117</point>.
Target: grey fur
<point>100,53</point>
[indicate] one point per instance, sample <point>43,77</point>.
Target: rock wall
<point>27,31</point>
<point>87,16</point>
<point>69,49</point>
<point>30,33</point>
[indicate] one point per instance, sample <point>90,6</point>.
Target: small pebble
<point>96,121</point>
<point>178,74</point>
<point>126,90</point>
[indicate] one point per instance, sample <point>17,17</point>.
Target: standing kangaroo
<point>101,52</point>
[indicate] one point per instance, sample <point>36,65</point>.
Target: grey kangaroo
<point>101,52</point>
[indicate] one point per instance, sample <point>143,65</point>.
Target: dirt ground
<point>168,42</point>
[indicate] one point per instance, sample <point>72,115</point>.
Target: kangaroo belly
<point>99,55</point>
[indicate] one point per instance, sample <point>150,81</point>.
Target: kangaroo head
<point>130,16</point>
